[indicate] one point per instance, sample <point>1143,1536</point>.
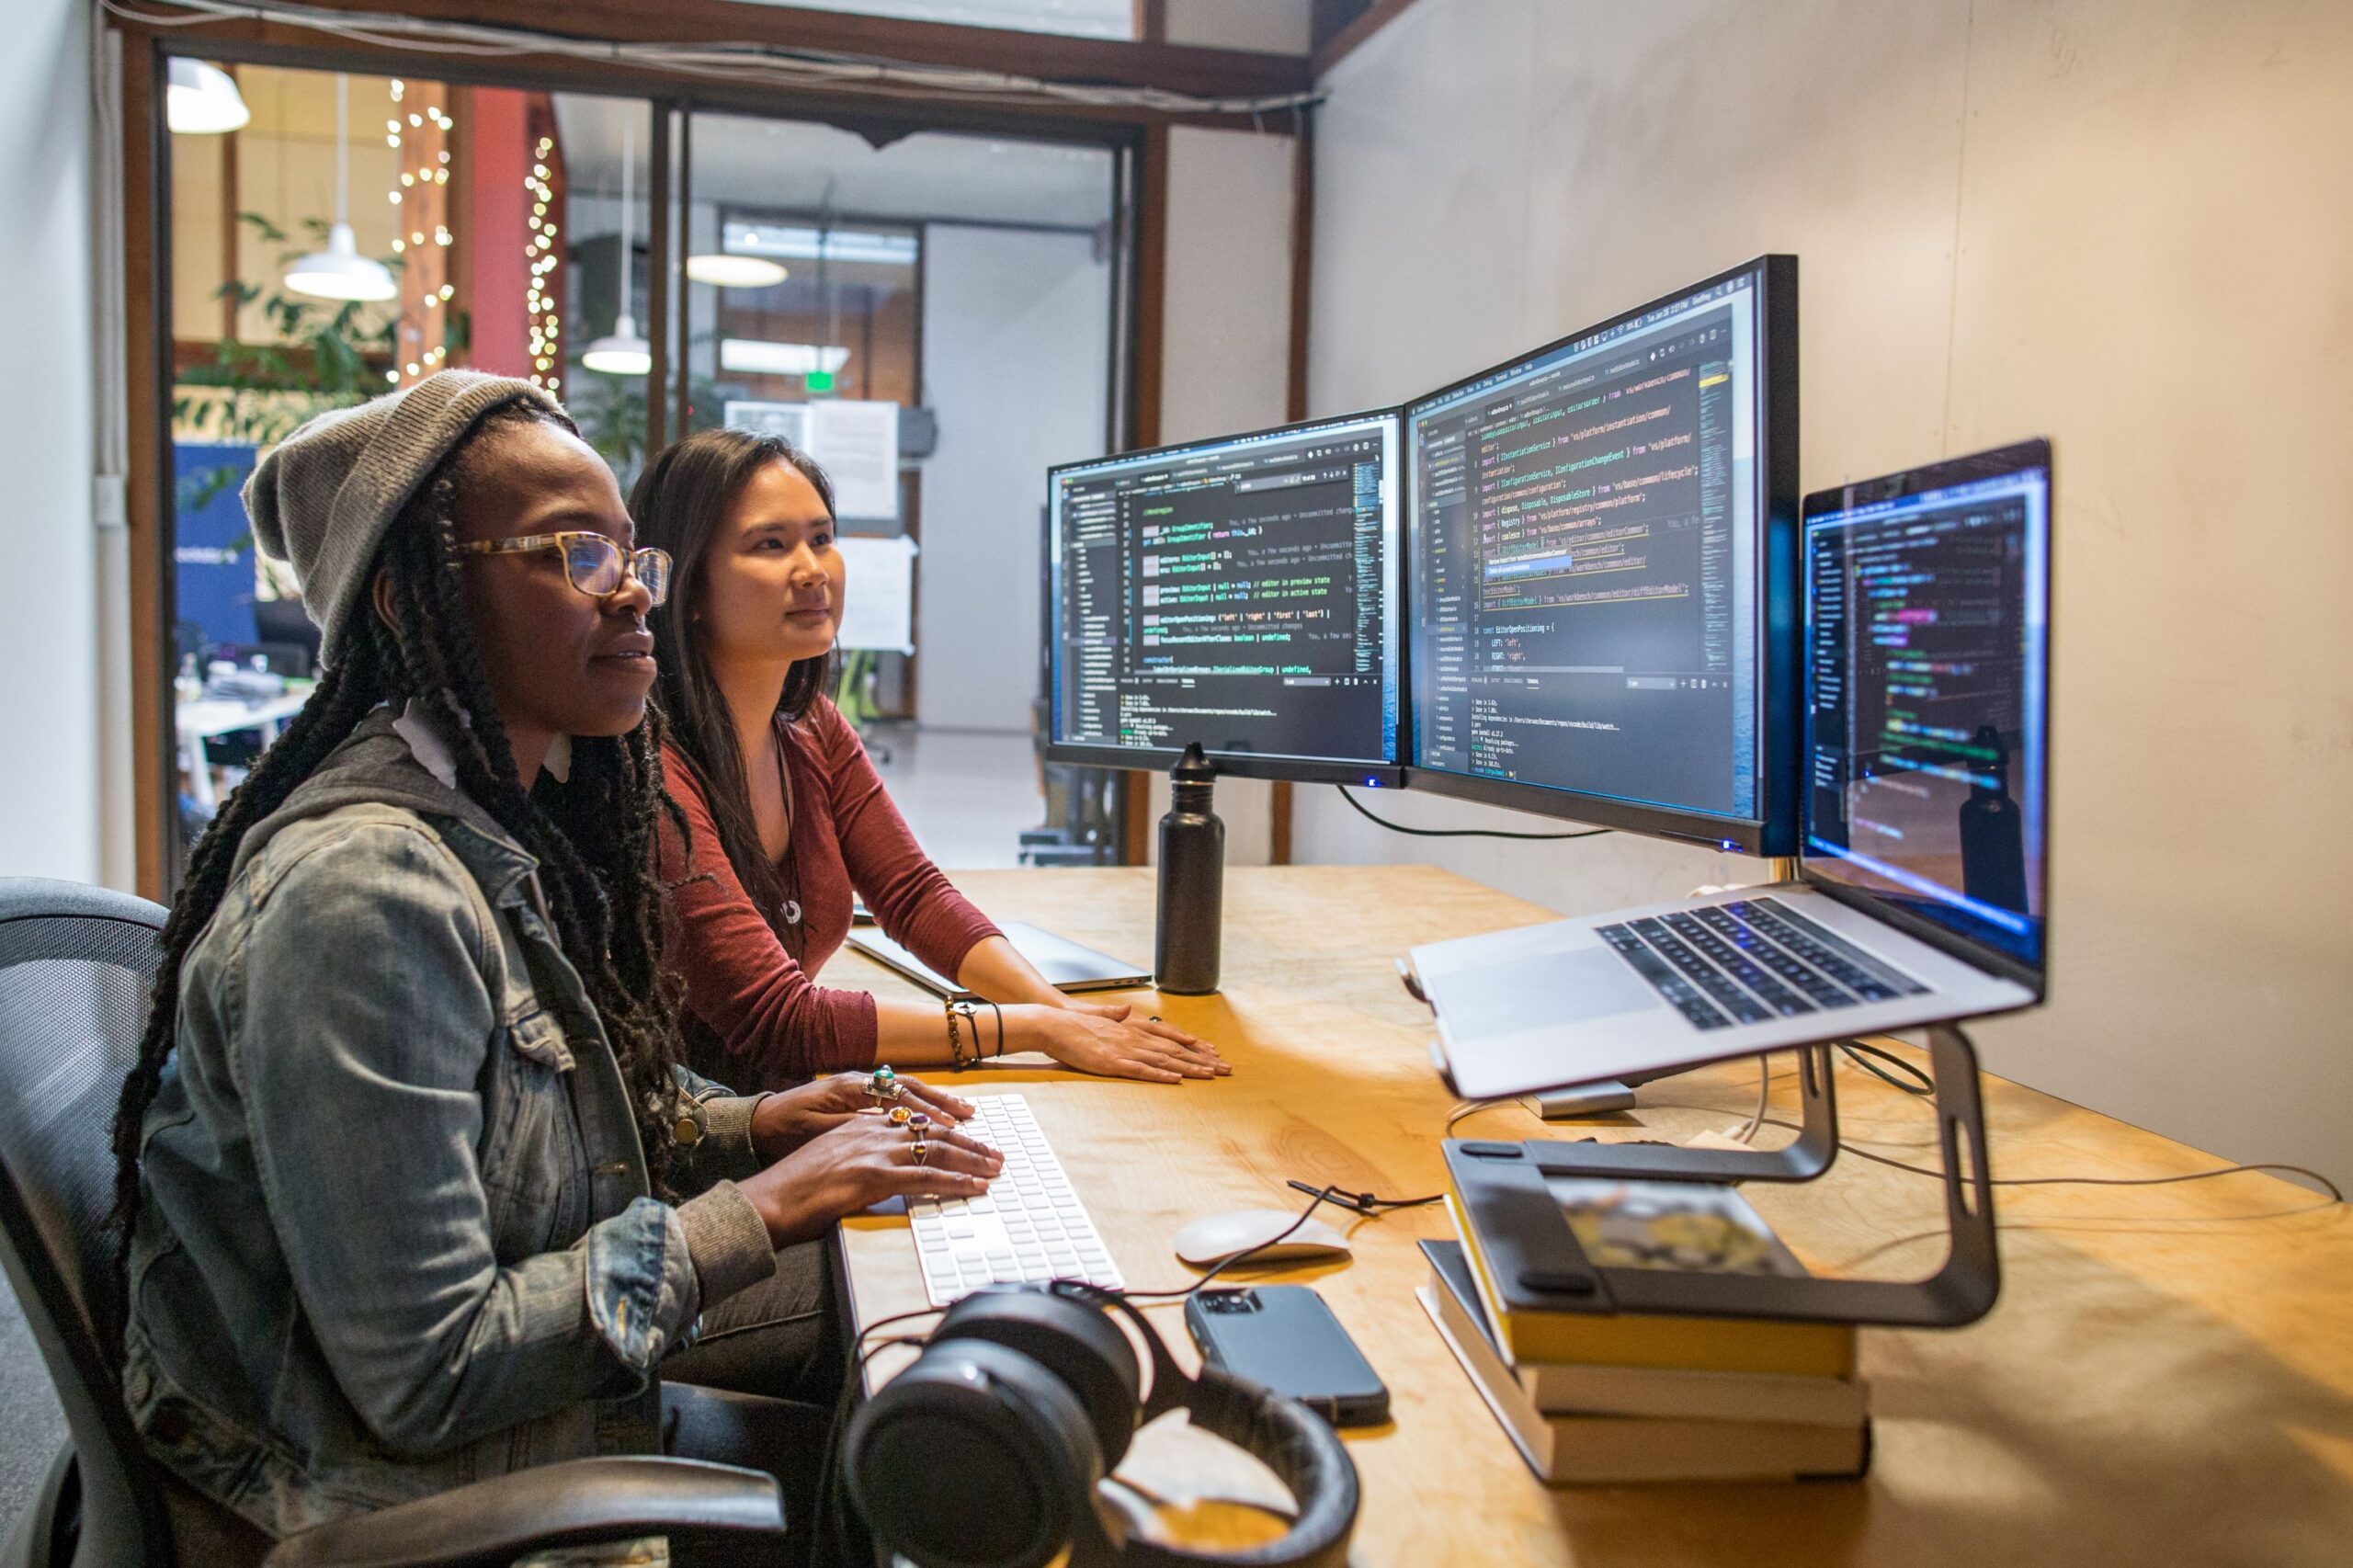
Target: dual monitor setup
<point>1583,583</point>
<point>1567,584</point>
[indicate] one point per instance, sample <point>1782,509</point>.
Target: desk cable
<point>1369,1205</point>
<point>2336,1193</point>
<point>1923,1087</point>
<point>1365,812</point>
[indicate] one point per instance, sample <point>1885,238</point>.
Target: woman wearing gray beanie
<point>413,1189</point>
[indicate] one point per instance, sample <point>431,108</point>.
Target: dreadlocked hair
<point>593,836</point>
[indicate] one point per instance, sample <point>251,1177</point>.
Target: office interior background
<point>2123,222</point>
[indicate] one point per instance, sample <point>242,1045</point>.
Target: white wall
<point>49,703</point>
<point>1275,27</point>
<point>1015,345</point>
<point>2123,224</point>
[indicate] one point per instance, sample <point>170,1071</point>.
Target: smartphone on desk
<point>1285,1338</point>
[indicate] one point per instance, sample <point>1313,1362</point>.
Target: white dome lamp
<point>732,269</point>
<point>622,352</point>
<point>203,100</point>
<point>340,272</point>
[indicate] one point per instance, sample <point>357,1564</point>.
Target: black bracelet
<point>1000,1026</point>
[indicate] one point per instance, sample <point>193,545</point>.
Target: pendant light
<point>340,272</point>
<point>622,352</point>
<point>203,100</point>
<point>731,269</point>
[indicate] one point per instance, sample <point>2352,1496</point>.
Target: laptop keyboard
<point>1751,961</point>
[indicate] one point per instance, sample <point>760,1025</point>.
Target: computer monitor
<point>1602,543</point>
<point>1926,703</point>
<point>1238,593</point>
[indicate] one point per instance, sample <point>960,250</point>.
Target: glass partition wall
<point>934,315</point>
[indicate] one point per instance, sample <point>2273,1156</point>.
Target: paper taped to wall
<point>879,606</point>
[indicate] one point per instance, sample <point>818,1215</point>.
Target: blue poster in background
<point>212,550</point>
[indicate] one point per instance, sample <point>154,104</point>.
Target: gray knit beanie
<point>323,498</point>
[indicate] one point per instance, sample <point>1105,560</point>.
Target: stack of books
<point>1605,1398</point>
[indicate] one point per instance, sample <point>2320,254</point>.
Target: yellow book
<point>1618,1450</point>
<point>1528,1334</point>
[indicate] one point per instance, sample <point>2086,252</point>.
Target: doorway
<point>939,317</point>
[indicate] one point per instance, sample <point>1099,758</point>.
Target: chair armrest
<point>493,1522</point>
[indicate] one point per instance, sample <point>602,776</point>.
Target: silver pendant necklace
<point>789,910</point>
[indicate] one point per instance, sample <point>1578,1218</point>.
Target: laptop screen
<point>1927,667</point>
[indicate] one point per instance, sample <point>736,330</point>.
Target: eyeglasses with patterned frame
<point>593,563</point>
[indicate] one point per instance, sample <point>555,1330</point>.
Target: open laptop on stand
<point>1919,896</point>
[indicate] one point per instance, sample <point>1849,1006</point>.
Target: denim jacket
<point>397,1231</point>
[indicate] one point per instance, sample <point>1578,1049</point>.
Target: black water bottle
<point>1192,881</point>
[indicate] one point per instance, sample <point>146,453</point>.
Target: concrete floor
<point>32,1426</point>
<point>967,794</point>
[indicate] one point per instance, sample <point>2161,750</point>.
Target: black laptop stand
<point>1510,1195</point>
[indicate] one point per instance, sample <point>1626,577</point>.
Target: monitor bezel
<point>1774,831</point>
<point>1995,463</point>
<point>1277,766</point>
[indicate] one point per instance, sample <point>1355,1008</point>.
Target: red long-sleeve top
<point>755,1018</point>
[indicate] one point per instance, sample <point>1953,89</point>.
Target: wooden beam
<point>1176,68</point>
<point>1152,21</point>
<point>146,274</point>
<point>1345,42</point>
<point>877,112</point>
<point>658,326</point>
<point>1302,264</point>
<point>682,382</point>
<point>1151,287</point>
<point>1151,320</point>
<point>230,266</point>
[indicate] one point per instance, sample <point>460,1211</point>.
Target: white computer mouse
<point>1212,1241</point>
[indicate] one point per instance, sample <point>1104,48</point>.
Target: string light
<point>540,254</point>
<point>409,236</point>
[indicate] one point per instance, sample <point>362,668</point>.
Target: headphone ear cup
<point>1304,1453</point>
<point>1074,1339</point>
<point>974,1457</point>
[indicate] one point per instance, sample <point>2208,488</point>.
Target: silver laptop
<point>1919,895</point>
<point>1065,963</point>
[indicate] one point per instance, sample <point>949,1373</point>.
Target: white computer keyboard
<point>1030,1226</point>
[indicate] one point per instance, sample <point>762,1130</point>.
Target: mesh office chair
<point>75,966</point>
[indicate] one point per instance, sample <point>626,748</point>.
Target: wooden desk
<point>2168,1378</point>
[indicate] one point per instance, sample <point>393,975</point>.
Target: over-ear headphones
<point>987,1451</point>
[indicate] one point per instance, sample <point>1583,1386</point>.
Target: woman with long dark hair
<point>404,1165</point>
<point>785,817</point>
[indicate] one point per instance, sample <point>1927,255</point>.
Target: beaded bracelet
<point>970,1015</point>
<point>955,1042</point>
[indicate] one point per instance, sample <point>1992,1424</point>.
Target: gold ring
<point>901,1116</point>
<point>922,1151</point>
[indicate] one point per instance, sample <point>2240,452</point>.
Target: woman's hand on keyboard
<point>857,1165</point>
<point>1110,1041</point>
<point>789,1117</point>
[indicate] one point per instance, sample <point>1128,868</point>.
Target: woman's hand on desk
<point>788,1118</point>
<point>1110,1041</point>
<point>858,1163</point>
